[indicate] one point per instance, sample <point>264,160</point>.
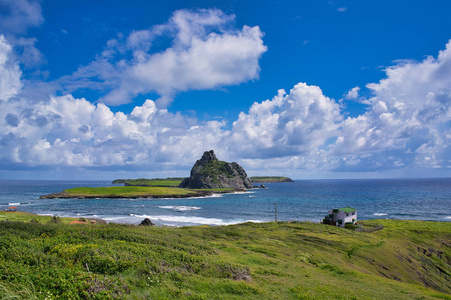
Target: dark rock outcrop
<point>261,186</point>
<point>146,222</point>
<point>209,172</point>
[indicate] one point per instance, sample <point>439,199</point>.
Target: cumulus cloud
<point>204,54</point>
<point>408,118</point>
<point>10,73</point>
<point>406,124</point>
<point>289,124</point>
<point>352,93</point>
<point>66,131</point>
<point>69,132</point>
<point>18,15</point>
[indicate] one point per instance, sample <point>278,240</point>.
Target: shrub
<point>55,219</point>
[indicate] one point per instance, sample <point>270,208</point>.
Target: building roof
<point>347,209</point>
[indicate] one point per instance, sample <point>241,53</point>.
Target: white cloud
<point>27,53</point>
<point>204,54</point>
<point>10,72</point>
<point>342,9</point>
<point>69,132</point>
<point>353,93</point>
<point>406,125</point>
<point>293,124</point>
<point>407,117</point>
<point>74,132</point>
<point>16,16</point>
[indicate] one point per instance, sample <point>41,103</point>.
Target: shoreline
<point>23,216</point>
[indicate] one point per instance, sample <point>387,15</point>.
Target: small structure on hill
<point>340,217</point>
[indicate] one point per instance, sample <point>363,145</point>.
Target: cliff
<point>209,173</point>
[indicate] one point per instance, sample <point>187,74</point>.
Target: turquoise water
<point>303,200</point>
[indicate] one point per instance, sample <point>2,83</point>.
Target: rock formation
<point>209,172</point>
<point>146,222</point>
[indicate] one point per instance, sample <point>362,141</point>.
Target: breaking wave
<point>176,221</point>
<point>180,208</point>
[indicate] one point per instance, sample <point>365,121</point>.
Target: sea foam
<point>180,208</point>
<point>176,221</point>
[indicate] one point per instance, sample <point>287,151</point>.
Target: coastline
<point>304,200</point>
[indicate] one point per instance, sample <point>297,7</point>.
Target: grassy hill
<point>405,260</point>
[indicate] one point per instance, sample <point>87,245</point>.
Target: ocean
<point>302,200</point>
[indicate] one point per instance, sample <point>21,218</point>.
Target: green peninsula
<point>132,192</point>
<point>285,260</point>
<point>270,179</point>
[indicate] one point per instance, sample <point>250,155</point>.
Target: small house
<point>340,217</point>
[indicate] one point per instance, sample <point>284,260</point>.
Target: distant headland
<point>270,179</point>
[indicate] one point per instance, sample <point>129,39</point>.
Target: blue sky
<point>307,89</point>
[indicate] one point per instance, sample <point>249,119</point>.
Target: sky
<point>309,89</point>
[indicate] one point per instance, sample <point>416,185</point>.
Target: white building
<point>340,217</point>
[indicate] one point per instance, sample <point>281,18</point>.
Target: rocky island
<point>210,173</point>
<point>208,176</point>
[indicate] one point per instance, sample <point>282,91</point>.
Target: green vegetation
<point>405,260</point>
<point>214,169</point>
<point>159,182</point>
<point>266,179</point>
<point>126,191</point>
<point>134,192</point>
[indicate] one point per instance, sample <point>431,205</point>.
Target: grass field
<point>134,192</point>
<point>126,191</point>
<point>46,260</point>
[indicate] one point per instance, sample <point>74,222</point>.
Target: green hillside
<point>405,260</point>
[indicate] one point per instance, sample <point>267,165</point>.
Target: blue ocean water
<point>303,200</point>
